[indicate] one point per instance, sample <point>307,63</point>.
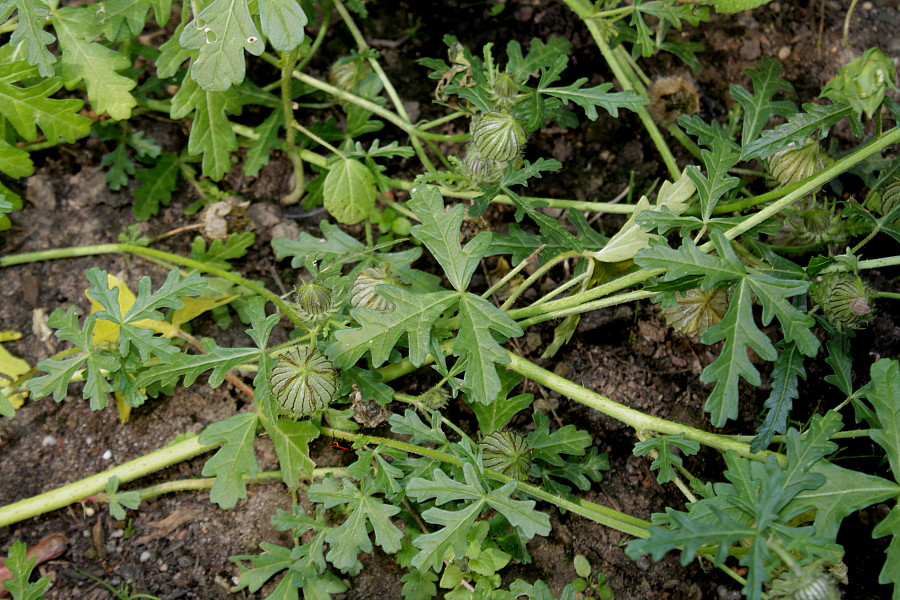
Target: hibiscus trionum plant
<point>747,244</point>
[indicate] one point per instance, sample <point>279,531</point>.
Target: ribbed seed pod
<point>313,302</point>
<point>478,169</point>
<point>844,300</point>
<point>496,136</point>
<point>696,310</point>
<point>794,163</point>
<point>362,292</point>
<point>506,452</point>
<point>304,382</point>
<point>504,91</point>
<point>436,398</point>
<point>885,200</point>
<point>811,583</point>
<point>819,225</point>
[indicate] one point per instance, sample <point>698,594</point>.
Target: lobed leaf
<point>234,460</point>
<point>759,107</point>
<point>799,127</point>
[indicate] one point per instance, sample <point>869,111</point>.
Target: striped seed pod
<point>809,583</point>
<point>883,202</point>
<point>796,163</point>
<point>363,292</point>
<point>313,302</point>
<point>496,136</point>
<point>304,382</point>
<point>696,310</point>
<point>506,452</point>
<point>819,225</point>
<point>478,169</point>
<point>844,300</point>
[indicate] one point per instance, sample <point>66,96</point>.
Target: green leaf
<point>666,460</point>
<point>33,15</point>
<point>799,127</point>
<point>147,305</point>
<point>540,591</point>
<point>414,315</point>
<point>548,446</point>
<point>478,320</point>
<point>739,331</point>
<point>551,229</point>
<point>773,294</point>
<point>211,134</point>
<point>712,188</point>
<point>259,150</point>
<point>733,6</point>
<point>706,133</point>
<point>885,398</point>
<point>351,537</point>
<point>6,407</point>
<point>221,251</point>
<point>759,106</point>
<point>190,366</point>
<point>20,568</point>
<point>119,501</point>
<point>495,416</point>
<point>15,162</point>
<point>123,19</point>
<point>689,260</point>
<point>419,585</point>
<point>540,55</point>
<point>580,472</point>
<point>788,368</point>
<point>95,64</point>
<point>274,560</point>
<point>291,439</point>
<point>839,360</point>
<point>590,98</point>
<point>349,191</point>
<point>411,424</point>
<point>120,166</point>
<point>439,231</point>
<point>158,184</point>
<point>29,107</point>
<point>456,524</point>
<point>221,32</point>
<point>234,460</point>
<point>282,22</point>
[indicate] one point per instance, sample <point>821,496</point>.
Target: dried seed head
<point>313,302</point>
<point>844,300</point>
<point>696,310</point>
<point>304,382</point>
<point>794,163</point>
<point>671,97</point>
<point>506,452</point>
<point>496,136</point>
<point>363,292</point>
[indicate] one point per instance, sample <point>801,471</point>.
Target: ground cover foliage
<point>748,244</point>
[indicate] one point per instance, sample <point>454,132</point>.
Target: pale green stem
<point>320,37</point>
<point>440,121</point>
<point>587,307</point>
<point>689,145</point>
<point>538,273</point>
<point>206,483</point>
<point>874,263</point>
<point>634,418</point>
<point>289,60</point>
<point>564,287</point>
<point>890,295</point>
<point>93,250</point>
<point>512,273</point>
<point>318,139</point>
<point>65,495</point>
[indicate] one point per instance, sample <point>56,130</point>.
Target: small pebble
<point>784,52</point>
<point>867,6</point>
<point>89,441</point>
<point>145,556</point>
<point>89,511</point>
<point>48,440</point>
<point>164,567</point>
<point>107,455</point>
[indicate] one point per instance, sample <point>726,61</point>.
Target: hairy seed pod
<point>844,300</point>
<point>362,292</point>
<point>506,452</point>
<point>478,169</point>
<point>810,583</point>
<point>504,91</point>
<point>819,225</point>
<point>793,164</point>
<point>497,136</point>
<point>671,97</point>
<point>696,310</point>
<point>313,302</point>
<point>883,202</point>
<point>304,382</point>
<point>436,398</point>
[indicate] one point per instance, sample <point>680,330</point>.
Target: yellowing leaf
<point>122,408</point>
<point>194,307</point>
<point>107,332</point>
<point>12,367</point>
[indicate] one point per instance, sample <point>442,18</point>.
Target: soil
<point>177,546</point>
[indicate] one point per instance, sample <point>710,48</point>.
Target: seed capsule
<point>313,302</point>
<point>363,293</point>
<point>844,300</point>
<point>478,169</point>
<point>497,136</point>
<point>886,200</point>
<point>794,163</point>
<point>811,583</point>
<point>304,382</point>
<point>506,452</point>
